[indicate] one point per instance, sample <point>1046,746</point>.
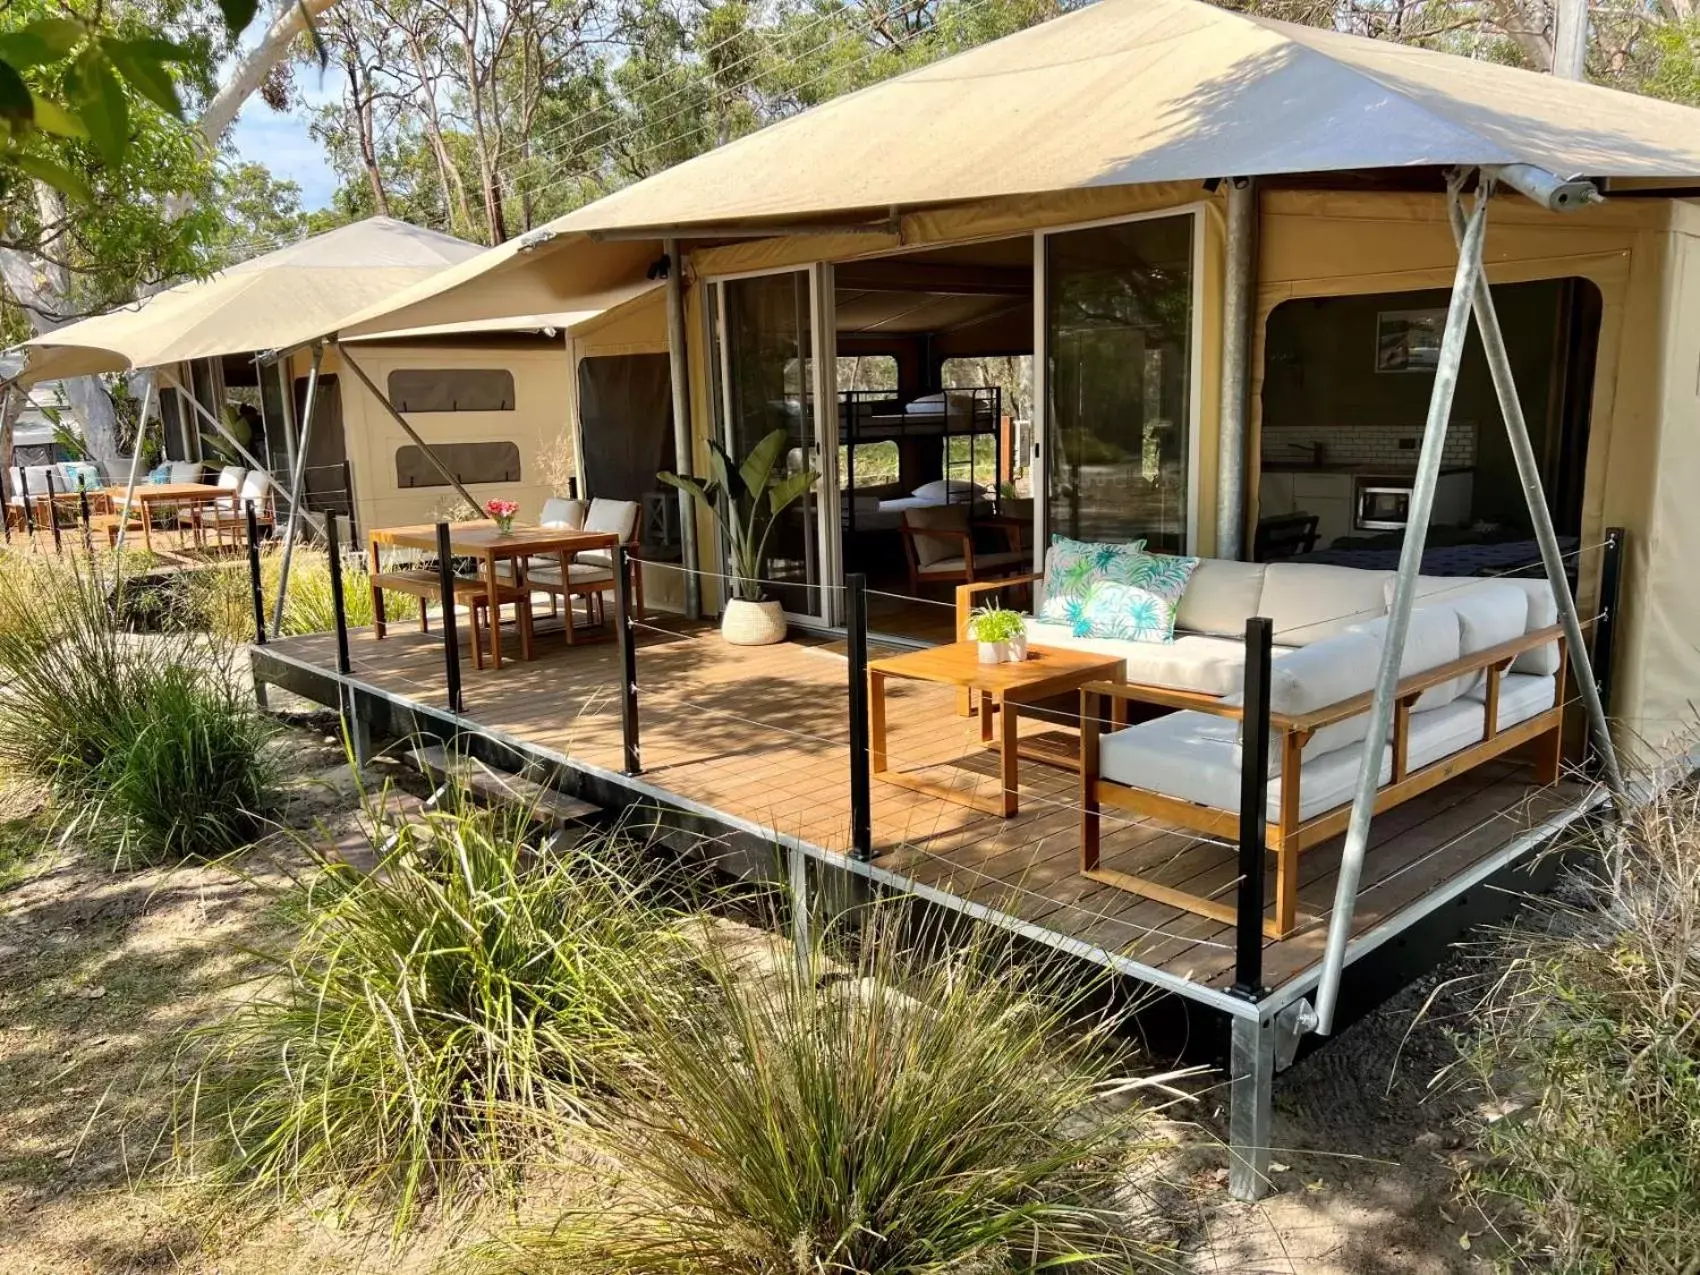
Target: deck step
<point>491,785</point>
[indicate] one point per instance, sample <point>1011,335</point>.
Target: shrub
<point>436,1022</point>
<point>148,741</point>
<point>1590,1040</point>
<point>943,1115</point>
<point>220,598</point>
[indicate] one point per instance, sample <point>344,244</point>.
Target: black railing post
<point>256,586</point>
<point>1254,801</point>
<point>333,554</point>
<point>572,487</point>
<point>861,789</point>
<point>83,509</point>
<point>626,639</point>
<point>29,514</point>
<point>53,513</point>
<point>451,639</point>
<point>1605,626</point>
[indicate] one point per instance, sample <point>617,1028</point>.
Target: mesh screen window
<point>468,462</point>
<point>452,390</point>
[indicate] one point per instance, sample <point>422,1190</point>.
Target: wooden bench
<point>474,592</point>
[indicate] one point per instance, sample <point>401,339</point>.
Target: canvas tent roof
<point>1124,92</point>
<point>273,301</point>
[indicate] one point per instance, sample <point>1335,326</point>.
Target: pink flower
<point>501,508</point>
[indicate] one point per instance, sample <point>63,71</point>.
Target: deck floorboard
<point>761,734</point>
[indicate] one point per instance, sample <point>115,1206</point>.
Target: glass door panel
<point>1118,381</point>
<point>765,351</point>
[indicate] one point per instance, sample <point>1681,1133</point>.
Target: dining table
<point>147,495</point>
<point>490,546</point>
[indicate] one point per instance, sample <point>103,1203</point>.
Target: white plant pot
<point>1018,647</point>
<point>752,623</point>
<point>993,652</point>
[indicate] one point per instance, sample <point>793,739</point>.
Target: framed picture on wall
<point>1408,340</point>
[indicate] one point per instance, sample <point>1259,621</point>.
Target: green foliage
<point>910,1114</point>
<point>147,742</point>
<point>218,599</point>
<point>994,624</point>
<point>1586,1050</point>
<point>438,1020</point>
<point>747,500</point>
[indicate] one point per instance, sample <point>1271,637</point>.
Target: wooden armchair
<point>939,543</point>
<point>1288,834</point>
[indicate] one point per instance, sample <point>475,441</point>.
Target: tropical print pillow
<point>1072,567</point>
<point>1138,605</point>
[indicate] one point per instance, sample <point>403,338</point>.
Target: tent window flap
<point>468,462</point>
<point>452,390</point>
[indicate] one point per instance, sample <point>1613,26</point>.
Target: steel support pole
<point>1570,40</point>
<point>297,485</point>
<point>1540,516</point>
<point>1251,1106</point>
<point>1404,596</point>
<point>1239,301</point>
<point>399,419</point>
<point>682,439</point>
<point>148,397</point>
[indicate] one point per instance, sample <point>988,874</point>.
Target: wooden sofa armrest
<point>966,593</point>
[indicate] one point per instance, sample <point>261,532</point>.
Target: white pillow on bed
<point>927,404</point>
<point>949,490</point>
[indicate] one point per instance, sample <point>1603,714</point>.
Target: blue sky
<point>281,141</point>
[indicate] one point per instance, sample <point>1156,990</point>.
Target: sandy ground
<point>101,973</point>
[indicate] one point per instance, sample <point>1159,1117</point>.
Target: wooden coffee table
<point>1001,690</point>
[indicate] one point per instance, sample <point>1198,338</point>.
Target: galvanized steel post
<point>1239,300</point>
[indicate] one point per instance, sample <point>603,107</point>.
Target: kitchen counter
<point>1361,470</point>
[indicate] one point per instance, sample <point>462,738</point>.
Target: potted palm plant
<point>747,499</point>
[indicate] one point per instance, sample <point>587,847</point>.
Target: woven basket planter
<point>752,623</point>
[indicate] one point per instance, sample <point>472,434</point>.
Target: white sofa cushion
<point>1521,696</point>
<point>1313,677</point>
<point>1308,602</point>
<point>1441,732</point>
<point>1192,662</point>
<point>1431,640</point>
<point>184,471</point>
<point>1543,610</point>
<point>1195,757</point>
<point>1221,596</point>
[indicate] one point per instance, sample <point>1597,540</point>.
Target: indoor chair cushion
<point>1309,602</point>
<point>930,551</point>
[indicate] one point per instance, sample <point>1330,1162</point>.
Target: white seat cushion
<point>230,478</point>
<point>560,512</point>
<point>1440,732</point>
<point>1220,597</point>
<point>185,471</point>
<point>1192,662</point>
<point>1521,696</point>
<point>616,516</point>
<point>982,562</point>
<point>1542,614</point>
<point>1313,677</point>
<point>1195,757</point>
<point>1308,602</point>
<point>549,572</point>
<point>1431,640</point>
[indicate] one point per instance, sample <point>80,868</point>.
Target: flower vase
<point>505,525</point>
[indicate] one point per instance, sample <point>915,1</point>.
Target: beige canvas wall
<point>542,385</point>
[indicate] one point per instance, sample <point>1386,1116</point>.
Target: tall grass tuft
<point>437,1022</point>
<point>220,599</point>
<point>909,1114</point>
<point>1586,1049</point>
<point>148,741</point>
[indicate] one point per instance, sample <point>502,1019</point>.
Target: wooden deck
<point>762,735</point>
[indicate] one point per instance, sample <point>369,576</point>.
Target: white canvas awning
<point>274,301</point>
<point>566,321</point>
<point>1124,92</point>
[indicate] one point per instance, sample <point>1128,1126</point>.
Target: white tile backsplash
<point>1391,445</point>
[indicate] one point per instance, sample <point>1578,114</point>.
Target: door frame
<point>1041,469</point>
<point>828,549</point>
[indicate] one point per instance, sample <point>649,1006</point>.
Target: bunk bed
<point>878,416</point>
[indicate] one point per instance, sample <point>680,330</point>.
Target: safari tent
<point>1278,192</point>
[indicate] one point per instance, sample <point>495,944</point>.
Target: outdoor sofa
<point>1482,675</point>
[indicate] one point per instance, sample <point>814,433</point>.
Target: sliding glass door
<point>763,332</point>
<point>1117,323</point>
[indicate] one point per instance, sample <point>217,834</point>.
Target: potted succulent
<point>747,500</point>
<point>1002,634</point>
